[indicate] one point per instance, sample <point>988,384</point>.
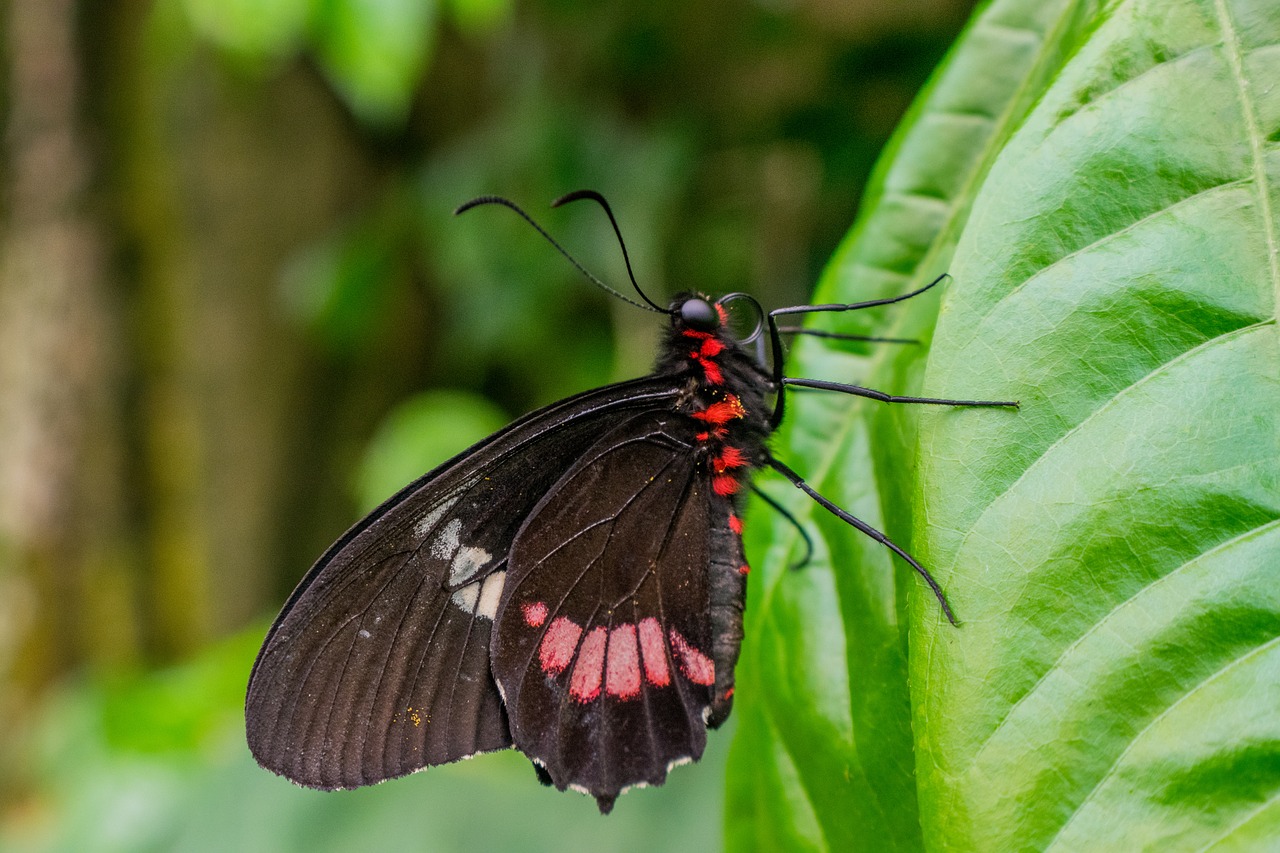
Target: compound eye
<point>698,314</point>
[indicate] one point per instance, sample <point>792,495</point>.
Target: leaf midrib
<point>1235,61</point>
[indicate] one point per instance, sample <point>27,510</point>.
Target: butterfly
<point>572,586</point>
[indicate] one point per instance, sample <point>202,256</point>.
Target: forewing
<point>604,644</point>
<point>378,665</point>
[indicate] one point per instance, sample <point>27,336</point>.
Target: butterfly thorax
<point>725,391</point>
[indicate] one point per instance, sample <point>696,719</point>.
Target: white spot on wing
<point>679,762</point>
<point>467,562</point>
<point>465,597</point>
<point>446,543</point>
<point>427,523</point>
<point>363,634</point>
<point>481,597</point>
<point>490,592</point>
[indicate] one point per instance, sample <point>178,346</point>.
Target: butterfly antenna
<point>592,195</point>
<point>493,199</point>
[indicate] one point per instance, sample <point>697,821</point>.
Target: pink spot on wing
<point>589,670</point>
<point>534,614</point>
<point>654,651</point>
<point>696,666</point>
<point>558,645</point>
<point>622,671</point>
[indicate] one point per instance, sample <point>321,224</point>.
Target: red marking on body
<point>721,412</point>
<point>534,614</point>
<point>743,569</point>
<point>711,370</point>
<point>558,645</point>
<point>654,651</point>
<point>724,315</point>
<point>696,666</point>
<point>696,335</point>
<point>711,348</point>
<point>622,669</point>
<point>588,672</point>
<point>730,457</point>
<point>724,485</point>
<point>735,524</point>
<point>702,436</point>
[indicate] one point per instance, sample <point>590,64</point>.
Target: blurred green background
<point>236,312</point>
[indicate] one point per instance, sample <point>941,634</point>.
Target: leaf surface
<point>1112,548</point>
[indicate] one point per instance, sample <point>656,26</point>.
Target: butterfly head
<point>698,314</point>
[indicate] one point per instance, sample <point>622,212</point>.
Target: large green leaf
<point>1113,549</point>
<point>1115,679</point>
<point>824,756</point>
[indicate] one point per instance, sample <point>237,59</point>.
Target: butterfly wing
<point>378,665</point>
<point>607,648</point>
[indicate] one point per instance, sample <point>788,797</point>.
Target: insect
<point>572,586</point>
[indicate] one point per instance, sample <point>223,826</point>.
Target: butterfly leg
<point>804,534</point>
<point>797,481</point>
<point>838,336</point>
<point>890,398</point>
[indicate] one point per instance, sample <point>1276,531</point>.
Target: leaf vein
<point>1115,765</point>
<point>1107,238</point>
<point>1222,546</point>
<point>1248,816</point>
<point>1206,345</point>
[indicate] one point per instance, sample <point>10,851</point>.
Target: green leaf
<point>1112,548</point>
<point>480,17</point>
<point>375,52</point>
<point>250,29</point>
<point>824,758</point>
<point>418,435</point>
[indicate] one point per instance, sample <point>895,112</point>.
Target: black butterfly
<point>572,586</point>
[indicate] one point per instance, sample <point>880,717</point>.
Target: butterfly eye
<point>745,317</point>
<point>699,315</point>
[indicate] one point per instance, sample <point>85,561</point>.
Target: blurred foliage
<point>374,53</point>
<point>419,434</point>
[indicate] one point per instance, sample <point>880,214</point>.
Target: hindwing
<point>606,647</point>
